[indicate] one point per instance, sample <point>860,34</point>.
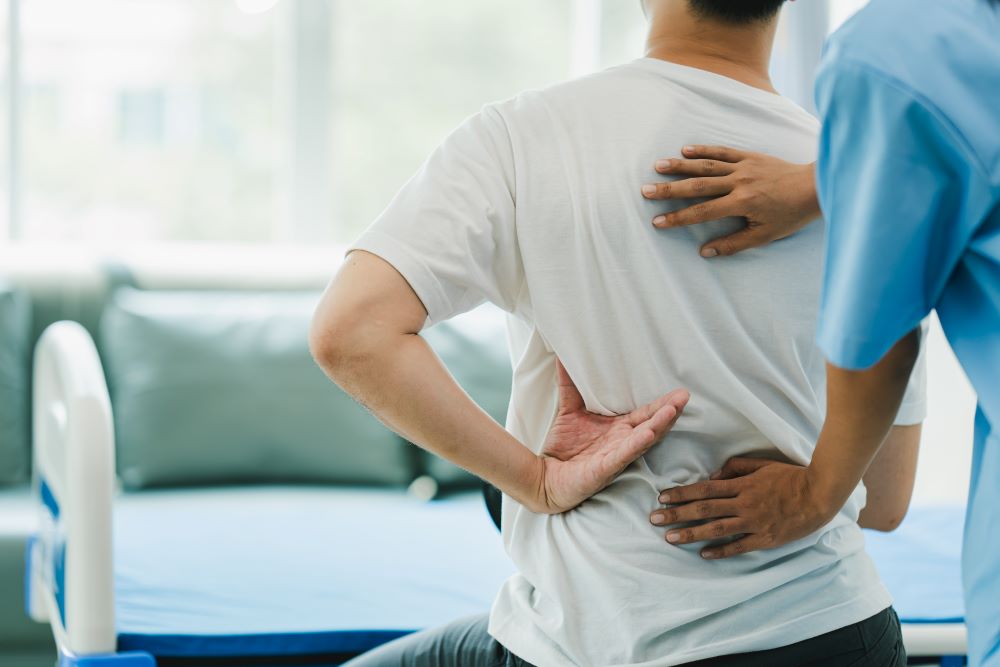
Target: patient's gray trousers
<point>875,642</point>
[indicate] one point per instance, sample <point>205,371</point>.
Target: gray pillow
<point>215,387</point>
<point>474,348</point>
<point>15,364</point>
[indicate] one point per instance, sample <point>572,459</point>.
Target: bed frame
<point>70,577</point>
<point>70,580</point>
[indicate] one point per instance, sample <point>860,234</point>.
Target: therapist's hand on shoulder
<point>585,451</point>
<point>776,198</point>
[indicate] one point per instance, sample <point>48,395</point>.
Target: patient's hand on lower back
<point>584,452</point>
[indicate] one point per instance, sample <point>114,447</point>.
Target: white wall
<point>946,450</point>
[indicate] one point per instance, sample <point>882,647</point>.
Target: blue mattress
<point>920,563</point>
<point>300,571</point>
<point>279,571</point>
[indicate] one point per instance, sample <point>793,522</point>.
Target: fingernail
<point>673,537</point>
<point>688,149</point>
<point>660,220</point>
<point>709,252</point>
<point>659,518</point>
<point>648,190</point>
<point>715,475</point>
<point>708,555</point>
<point>663,165</point>
<point>665,498</point>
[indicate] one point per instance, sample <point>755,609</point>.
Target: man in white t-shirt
<point>530,205</point>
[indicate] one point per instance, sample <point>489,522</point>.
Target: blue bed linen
<point>283,571</point>
<point>920,564</point>
<point>280,571</point>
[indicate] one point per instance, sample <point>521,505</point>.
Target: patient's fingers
<point>675,167</point>
<point>689,188</point>
<point>736,548</point>
<point>662,421</point>
<point>677,398</point>
<point>643,437</point>
<point>715,209</point>
<point>714,530</point>
<point>701,491</point>
<point>697,511</point>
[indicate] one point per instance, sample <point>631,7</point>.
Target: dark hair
<point>737,11</point>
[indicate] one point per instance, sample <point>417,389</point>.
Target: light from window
<point>4,126</point>
<point>184,119</point>
<point>841,10</point>
<point>149,120</point>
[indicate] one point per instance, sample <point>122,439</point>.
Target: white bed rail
<point>71,580</point>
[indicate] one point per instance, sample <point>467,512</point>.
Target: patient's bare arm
<point>365,336</point>
<point>889,479</point>
<point>776,198</point>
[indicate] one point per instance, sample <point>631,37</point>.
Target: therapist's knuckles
<point>698,491</point>
<point>714,530</point>
<point>658,190</point>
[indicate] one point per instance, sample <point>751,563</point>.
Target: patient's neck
<point>739,52</point>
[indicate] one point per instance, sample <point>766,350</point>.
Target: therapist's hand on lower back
<point>764,504</point>
<point>776,198</point>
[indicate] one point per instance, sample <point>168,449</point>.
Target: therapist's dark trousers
<point>875,642</point>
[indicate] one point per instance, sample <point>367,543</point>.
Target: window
<point>265,120</point>
<point>149,119</point>
<point>5,146</point>
<point>277,120</point>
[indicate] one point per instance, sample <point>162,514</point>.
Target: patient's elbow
<point>337,341</point>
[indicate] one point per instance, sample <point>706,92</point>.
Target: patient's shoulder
<point>588,92</point>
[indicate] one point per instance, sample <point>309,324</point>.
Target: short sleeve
<point>450,231</point>
<point>891,184</point>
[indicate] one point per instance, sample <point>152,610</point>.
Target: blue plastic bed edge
<point>133,659</point>
<point>48,498</point>
<point>268,645</point>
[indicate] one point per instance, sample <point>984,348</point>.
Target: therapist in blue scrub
<point>908,179</point>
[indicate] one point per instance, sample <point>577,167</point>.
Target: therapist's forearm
<point>861,407</point>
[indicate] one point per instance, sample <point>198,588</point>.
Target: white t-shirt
<point>534,205</point>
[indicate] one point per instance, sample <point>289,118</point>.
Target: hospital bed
<point>284,575</point>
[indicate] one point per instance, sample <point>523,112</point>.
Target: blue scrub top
<point>909,181</point>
